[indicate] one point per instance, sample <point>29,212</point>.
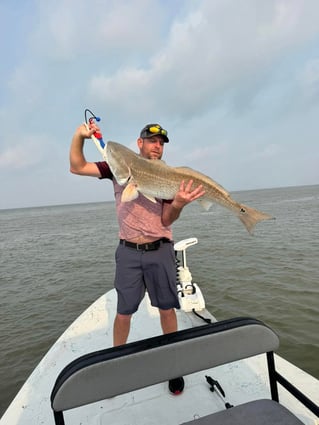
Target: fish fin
<point>123,177</point>
<point>122,181</point>
<point>250,217</point>
<point>204,203</point>
<point>150,198</point>
<point>129,193</point>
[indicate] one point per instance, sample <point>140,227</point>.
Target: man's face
<point>152,147</point>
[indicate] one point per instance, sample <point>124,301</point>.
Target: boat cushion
<point>258,412</point>
<point>107,373</point>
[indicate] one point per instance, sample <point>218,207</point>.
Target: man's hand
<point>86,131</point>
<point>187,194</point>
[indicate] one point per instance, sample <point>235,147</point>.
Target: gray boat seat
<point>103,374</point>
<point>257,412</point>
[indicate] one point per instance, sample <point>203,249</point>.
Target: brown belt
<point>148,246</point>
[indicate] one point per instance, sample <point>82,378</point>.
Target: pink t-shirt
<point>140,217</point>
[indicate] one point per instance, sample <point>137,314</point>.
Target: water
<point>55,261</point>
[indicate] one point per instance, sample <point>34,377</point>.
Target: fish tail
<point>250,217</point>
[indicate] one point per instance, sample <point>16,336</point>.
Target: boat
<point>231,370</point>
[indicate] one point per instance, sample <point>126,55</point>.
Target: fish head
<point>118,159</point>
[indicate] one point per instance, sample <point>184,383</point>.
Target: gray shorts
<point>138,271</point>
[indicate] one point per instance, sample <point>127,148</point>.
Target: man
<point>145,256</point>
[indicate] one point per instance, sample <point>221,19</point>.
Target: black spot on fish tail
<point>250,217</point>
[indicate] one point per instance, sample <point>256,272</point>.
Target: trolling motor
<point>97,136</point>
<point>189,293</point>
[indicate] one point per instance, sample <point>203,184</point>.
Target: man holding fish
<point>145,258</point>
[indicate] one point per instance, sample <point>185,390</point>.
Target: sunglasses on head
<point>157,130</point>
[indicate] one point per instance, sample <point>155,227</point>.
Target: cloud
<point>234,82</point>
<point>210,55</point>
<point>25,152</point>
<point>68,29</point>
<point>309,82</point>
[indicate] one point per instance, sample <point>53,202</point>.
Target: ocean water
<point>55,261</point>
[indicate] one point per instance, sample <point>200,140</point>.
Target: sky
<point>235,83</point>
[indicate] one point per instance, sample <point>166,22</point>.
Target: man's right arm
<point>78,163</point>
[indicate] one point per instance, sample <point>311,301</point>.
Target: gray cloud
<point>234,82</point>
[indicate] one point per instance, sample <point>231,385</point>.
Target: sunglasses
<point>157,130</point>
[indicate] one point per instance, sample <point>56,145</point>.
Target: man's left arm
<point>185,195</point>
